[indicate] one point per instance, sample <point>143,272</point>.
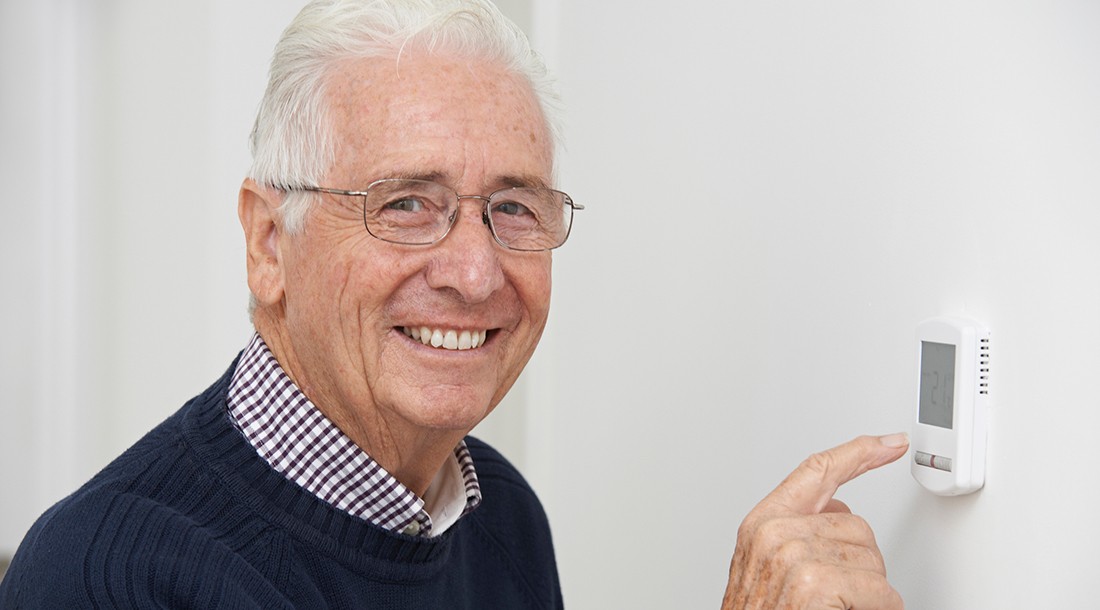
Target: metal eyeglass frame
<point>485,216</point>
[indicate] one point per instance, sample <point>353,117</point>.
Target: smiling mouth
<point>446,338</point>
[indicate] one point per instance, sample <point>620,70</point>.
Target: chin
<point>450,408</point>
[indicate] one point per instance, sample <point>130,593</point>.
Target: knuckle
<point>791,556</point>
<point>854,527</point>
<point>874,561</point>
<point>748,527</point>
<point>862,528</point>
<point>805,582</point>
<point>820,463</point>
<point>770,535</point>
<point>862,558</point>
<point>776,546</point>
<point>858,525</point>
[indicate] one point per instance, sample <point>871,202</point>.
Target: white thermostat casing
<point>951,420</point>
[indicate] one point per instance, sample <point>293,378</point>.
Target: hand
<point>802,549</point>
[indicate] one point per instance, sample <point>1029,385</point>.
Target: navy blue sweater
<point>192,517</point>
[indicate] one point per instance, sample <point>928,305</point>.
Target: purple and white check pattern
<point>297,440</point>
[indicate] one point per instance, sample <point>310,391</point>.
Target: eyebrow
<point>505,181</point>
<point>417,175</point>
<point>524,181</point>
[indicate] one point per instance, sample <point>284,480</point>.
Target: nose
<point>467,260</point>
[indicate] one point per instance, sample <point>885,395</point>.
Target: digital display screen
<point>937,384</point>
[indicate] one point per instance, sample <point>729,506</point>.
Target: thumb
<point>812,485</point>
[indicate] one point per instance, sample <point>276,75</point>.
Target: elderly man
<point>399,219</point>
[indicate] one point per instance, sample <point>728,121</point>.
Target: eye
<point>407,204</point>
<point>510,208</point>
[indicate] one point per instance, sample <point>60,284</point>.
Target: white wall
<point>125,138</point>
<point>778,193</point>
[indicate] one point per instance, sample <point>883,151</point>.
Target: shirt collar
<point>297,440</point>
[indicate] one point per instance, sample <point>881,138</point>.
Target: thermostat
<point>949,434</point>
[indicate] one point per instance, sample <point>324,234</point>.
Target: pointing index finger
<point>809,488</point>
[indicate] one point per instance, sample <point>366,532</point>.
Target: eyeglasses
<point>422,212</point>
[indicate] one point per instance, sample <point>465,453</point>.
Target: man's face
<point>350,297</point>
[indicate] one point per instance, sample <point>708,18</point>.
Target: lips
<point>446,338</point>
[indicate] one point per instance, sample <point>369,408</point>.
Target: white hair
<point>292,140</point>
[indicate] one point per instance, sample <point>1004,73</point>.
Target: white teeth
<point>450,339</point>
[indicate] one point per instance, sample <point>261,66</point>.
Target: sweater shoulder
<point>152,529</point>
<point>508,500</point>
<point>490,463</point>
<point>115,548</point>
<point>512,524</point>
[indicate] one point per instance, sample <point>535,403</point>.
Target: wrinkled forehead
<point>438,112</point>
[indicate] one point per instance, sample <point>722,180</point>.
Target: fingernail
<point>900,439</point>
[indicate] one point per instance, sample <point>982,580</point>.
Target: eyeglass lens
<point>422,212</point>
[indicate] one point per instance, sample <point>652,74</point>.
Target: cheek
<point>532,282</point>
<point>319,283</point>
<point>364,289</point>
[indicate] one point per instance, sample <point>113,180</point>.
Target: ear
<point>257,207</point>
